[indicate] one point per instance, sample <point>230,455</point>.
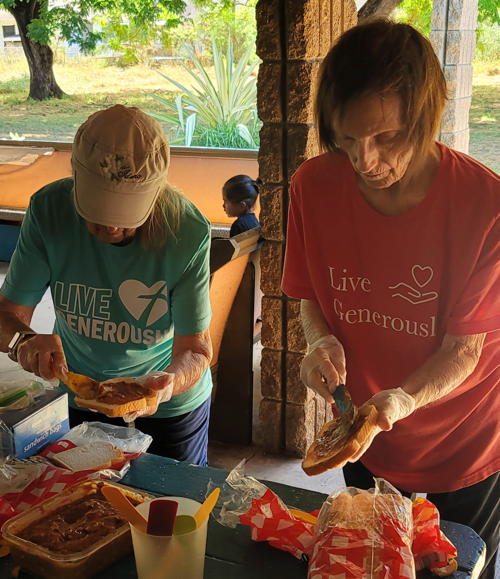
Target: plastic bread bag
<point>247,501</point>
<point>130,441</point>
<point>431,548</point>
<point>364,534</point>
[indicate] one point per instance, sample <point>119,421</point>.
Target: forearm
<point>313,322</point>
<point>189,361</point>
<point>10,323</point>
<point>445,370</point>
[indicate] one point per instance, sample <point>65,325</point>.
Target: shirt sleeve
<point>296,281</point>
<point>236,228</point>
<point>29,273</point>
<point>191,311</point>
<point>478,309</point>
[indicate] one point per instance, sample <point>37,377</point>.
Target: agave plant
<point>215,113</point>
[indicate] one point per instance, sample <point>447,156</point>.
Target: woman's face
<point>106,234</point>
<point>372,134</point>
<point>233,209</point>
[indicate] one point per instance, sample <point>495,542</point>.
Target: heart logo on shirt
<point>143,301</point>
<point>422,275</point>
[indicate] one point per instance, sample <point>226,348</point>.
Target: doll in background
<point>239,196</point>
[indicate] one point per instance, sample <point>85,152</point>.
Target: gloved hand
<point>392,405</point>
<point>162,383</point>
<point>42,355</point>
<point>323,367</point>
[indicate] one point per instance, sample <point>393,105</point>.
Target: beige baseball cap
<point>120,162</point>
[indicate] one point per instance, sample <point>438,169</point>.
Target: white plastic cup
<point>175,557</point>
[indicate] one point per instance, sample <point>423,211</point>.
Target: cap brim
<point>125,206</point>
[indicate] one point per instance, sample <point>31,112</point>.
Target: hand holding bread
<point>323,367</point>
<point>162,383</point>
<point>121,397</point>
<point>392,405</point>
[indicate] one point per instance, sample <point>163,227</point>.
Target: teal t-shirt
<point>116,306</point>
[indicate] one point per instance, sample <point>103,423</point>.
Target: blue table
<point>231,554</point>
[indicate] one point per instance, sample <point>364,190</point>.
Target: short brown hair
<point>380,57</point>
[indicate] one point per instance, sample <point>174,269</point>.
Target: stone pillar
<point>453,35</point>
<point>292,38</point>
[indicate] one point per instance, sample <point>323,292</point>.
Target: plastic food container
<point>79,565</point>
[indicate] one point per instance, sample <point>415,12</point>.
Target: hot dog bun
<point>338,440</point>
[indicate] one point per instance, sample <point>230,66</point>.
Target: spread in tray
<point>75,526</point>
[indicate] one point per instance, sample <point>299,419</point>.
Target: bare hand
<point>323,367</point>
<point>42,355</point>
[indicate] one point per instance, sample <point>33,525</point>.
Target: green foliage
<point>218,112</point>
<point>220,20</point>
<point>415,12</point>
<point>418,13</point>
<point>135,42</point>
<point>71,20</point>
<point>489,11</point>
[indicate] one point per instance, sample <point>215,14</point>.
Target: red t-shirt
<point>390,287</point>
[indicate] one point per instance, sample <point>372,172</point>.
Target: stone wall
<point>453,35</point>
<point>293,37</point>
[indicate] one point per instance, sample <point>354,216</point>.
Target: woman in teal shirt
<point>126,258</point>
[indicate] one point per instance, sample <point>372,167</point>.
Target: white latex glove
<point>323,367</point>
<point>162,383</point>
<point>392,405</point>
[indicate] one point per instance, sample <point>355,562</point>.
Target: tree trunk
<point>376,9</point>
<point>43,84</point>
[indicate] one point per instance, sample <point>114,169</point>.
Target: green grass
<point>484,125</point>
<point>58,119</point>
<point>93,84</point>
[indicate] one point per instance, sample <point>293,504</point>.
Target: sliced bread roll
<point>93,456</point>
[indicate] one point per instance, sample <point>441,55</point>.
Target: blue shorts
<point>183,437</point>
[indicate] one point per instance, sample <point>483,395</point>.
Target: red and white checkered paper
<point>52,480</point>
<point>269,520</point>
<point>431,548</point>
<point>340,553</point>
<point>359,554</point>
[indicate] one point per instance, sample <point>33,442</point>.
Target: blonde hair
<point>376,58</point>
<point>164,221</point>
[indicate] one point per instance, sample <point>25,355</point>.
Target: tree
<point>377,9</point>
<point>40,23</point>
<point>488,11</point>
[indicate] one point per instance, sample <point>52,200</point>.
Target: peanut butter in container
<point>73,535</point>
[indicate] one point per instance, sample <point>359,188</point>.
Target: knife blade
<point>344,404</point>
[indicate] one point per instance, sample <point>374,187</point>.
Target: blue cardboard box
<point>32,428</point>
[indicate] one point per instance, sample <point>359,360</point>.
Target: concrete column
<point>292,38</point>
<point>453,35</point>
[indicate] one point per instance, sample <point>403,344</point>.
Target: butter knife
<point>344,404</point>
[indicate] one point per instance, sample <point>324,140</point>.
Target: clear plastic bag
<point>364,534</point>
<point>247,501</point>
<point>126,438</point>
<point>19,388</point>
